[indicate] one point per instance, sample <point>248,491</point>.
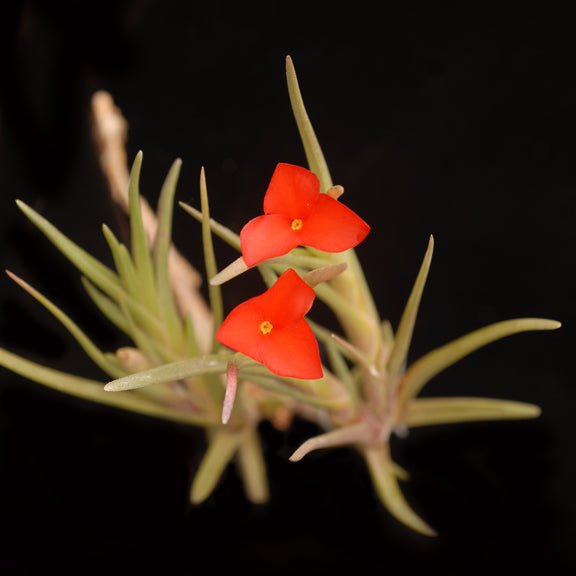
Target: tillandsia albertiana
<point>263,361</point>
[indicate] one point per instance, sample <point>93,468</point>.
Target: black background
<point>454,123</point>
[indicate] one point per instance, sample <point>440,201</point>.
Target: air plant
<point>265,360</point>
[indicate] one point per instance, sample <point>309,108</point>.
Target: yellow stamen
<point>266,327</point>
<point>296,224</point>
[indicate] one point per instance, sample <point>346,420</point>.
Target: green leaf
<point>111,368</point>
<point>140,248</point>
<point>222,448</point>
<point>314,154</point>
<point>214,292</point>
<point>433,411</point>
<point>346,436</point>
<point>99,274</point>
<point>166,303</point>
<point>273,384</point>
<point>192,348</point>
<point>225,234</point>
<point>342,371</point>
<point>122,261</point>
<point>253,468</point>
<point>384,474</point>
<point>106,306</point>
<point>431,364</point>
<point>93,390</point>
<point>152,348</point>
<point>406,327</point>
<point>214,364</point>
<point>116,313</point>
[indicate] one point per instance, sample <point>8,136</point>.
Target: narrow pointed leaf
<point>314,154</point>
<point>225,234</point>
<point>214,292</point>
<point>125,304</point>
<point>356,355</point>
<point>106,306</point>
<point>387,333</point>
<point>111,368</point>
<point>274,385</point>
<point>405,330</point>
<point>343,308</point>
<point>192,347</point>
<point>384,478</point>
<point>166,303</point>
<point>354,434</point>
<point>222,448</point>
<point>399,472</point>
<point>342,371</point>
<point>324,274</point>
<point>122,261</point>
<point>431,364</point>
<point>175,371</point>
<point>152,348</point>
<point>99,274</point>
<point>233,269</point>
<point>433,411</point>
<point>92,390</point>
<point>253,468</point>
<point>139,240</point>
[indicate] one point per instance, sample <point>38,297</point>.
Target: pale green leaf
<point>253,468</point>
<point>221,449</point>
<point>346,436</point>
<point>92,390</point>
<point>314,154</point>
<point>139,240</point>
<point>405,330</point>
<point>166,304</point>
<point>214,292</point>
<point>99,274</point>
<point>431,364</point>
<point>152,348</point>
<point>282,388</point>
<point>342,371</point>
<point>214,364</point>
<point>225,234</point>
<point>116,313</point>
<point>111,368</point>
<point>106,306</point>
<point>433,411</point>
<point>192,348</point>
<point>122,261</point>
<point>383,474</point>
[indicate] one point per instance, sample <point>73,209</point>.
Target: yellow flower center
<point>266,327</point>
<point>296,224</point>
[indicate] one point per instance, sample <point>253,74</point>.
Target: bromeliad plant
<point>263,361</point>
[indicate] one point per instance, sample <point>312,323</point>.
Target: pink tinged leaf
<point>293,191</point>
<point>230,395</point>
<point>267,237</point>
<point>333,227</point>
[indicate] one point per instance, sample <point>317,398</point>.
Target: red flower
<point>271,329</point>
<point>296,213</point>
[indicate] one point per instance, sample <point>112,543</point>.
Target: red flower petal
<point>292,191</point>
<point>289,347</point>
<point>288,300</point>
<point>241,329</point>
<point>267,237</point>
<point>292,351</point>
<point>332,227</point>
